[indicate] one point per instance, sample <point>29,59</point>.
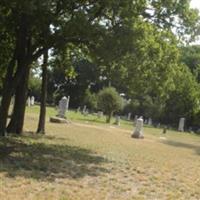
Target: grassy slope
<point>88,159</point>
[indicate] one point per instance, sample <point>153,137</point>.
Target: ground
<point>89,160</point>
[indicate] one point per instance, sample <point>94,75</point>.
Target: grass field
<point>89,160</point>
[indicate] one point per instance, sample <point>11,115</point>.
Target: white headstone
<point>138,133</point>
<point>149,121</point>
<point>181,124</point>
<point>29,101</point>
<point>129,116</point>
<point>62,107</point>
<point>32,101</point>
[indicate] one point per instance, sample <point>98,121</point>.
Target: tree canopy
<point>131,45</point>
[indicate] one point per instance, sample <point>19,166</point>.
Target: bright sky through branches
<point>195,4</point>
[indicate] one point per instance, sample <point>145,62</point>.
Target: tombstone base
<point>58,120</point>
<point>137,135</point>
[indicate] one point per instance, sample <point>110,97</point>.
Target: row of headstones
<point>146,121</point>
<point>149,122</point>
<point>64,106</point>
<point>138,132</point>
<point>85,111</point>
<point>30,101</point>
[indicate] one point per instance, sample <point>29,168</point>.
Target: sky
<point>195,4</point>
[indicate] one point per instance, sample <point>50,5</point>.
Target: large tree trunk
<point>13,76</point>
<point>41,123</point>
<point>17,118</point>
<point>8,90</point>
<point>109,116</point>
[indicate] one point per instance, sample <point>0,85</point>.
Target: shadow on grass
<point>196,148</point>
<point>31,159</point>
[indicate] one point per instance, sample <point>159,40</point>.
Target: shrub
<point>109,101</point>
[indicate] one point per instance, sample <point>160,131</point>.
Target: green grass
<point>88,159</point>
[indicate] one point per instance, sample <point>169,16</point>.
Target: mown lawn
<point>89,160</point>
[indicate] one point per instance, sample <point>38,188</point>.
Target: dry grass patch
<point>83,161</point>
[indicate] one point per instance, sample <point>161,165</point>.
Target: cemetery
<point>100,100</point>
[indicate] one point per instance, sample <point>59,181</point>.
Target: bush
<point>90,100</point>
<point>109,101</point>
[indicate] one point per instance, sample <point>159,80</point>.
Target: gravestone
<point>100,114</point>
<point>190,130</point>
<point>86,112</point>
<point>149,121</point>
<point>78,109</point>
<point>62,107</point>
<point>29,101</point>
<point>138,133</point>
<point>117,121</point>
<point>84,109</point>
<point>32,101</point>
<point>129,116</point>
<point>135,119</point>
<point>12,100</point>
<point>181,124</point>
<point>68,98</point>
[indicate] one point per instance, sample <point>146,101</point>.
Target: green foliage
<point>109,101</point>
<point>35,87</point>
<point>190,55</point>
<point>184,100</point>
<point>90,100</point>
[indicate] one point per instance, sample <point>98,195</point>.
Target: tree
<point>109,101</point>
<point>73,22</point>
<point>42,117</point>
<point>90,100</point>
<point>190,56</point>
<point>183,101</point>
<point>57,24</point>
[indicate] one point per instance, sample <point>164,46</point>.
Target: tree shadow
<point>47,161</point>
<point>196,148</point>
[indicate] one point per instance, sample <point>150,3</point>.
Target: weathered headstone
<point>138,133</point>
<point>86,112</point>
<point>149,121</point>
<point>158,125</point>
<point>100,114</point>
<point>117,121</point>
<point>78,109</point>
<point>32,101</point>
<point>12,100</point>
<point>68,98</point>
<point>29,101</point>
<point>84,109</point>
<point>135,119</point>
<point>190,130</point>
<point>62,107</point>
<point>181,124</point>
<point>129,116</point>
